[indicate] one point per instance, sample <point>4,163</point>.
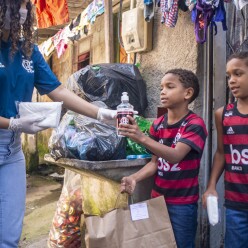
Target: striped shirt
<point>179,182</point>
<point>235,140</point>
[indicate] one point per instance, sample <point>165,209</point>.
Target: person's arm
<point>4,123</point>
<point>172,155</point>
<point>218,161</point>
<point>75,103</point>
<point>128,183</point>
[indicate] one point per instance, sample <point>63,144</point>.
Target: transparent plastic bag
<point>95,141</point>
<point>56,144</point>
<point>84,138</point>
<point>65,231</point>
<point>73,86</point>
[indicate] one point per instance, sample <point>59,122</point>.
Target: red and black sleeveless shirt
<point>235,140</point>
<point>178,183</point>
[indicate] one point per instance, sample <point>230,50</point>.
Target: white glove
<point>106,114</point>
<point>29,125</point>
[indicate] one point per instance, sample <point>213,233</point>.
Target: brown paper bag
<point>116,229</point>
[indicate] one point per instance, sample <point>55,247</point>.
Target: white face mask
<point>23,16</point>
<point>23,13</point>
<point>7,20</point>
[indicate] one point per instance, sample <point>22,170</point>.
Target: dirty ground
<point>42,195</point>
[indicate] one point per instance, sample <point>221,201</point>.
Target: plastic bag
<point>95,141</point>
<point>56,144</point>
<point>212,209</point>
<point>85,138</point>
<point>50,110</point>
<point>73,86</point>
<point>106,82</point>
<point>65,230</point>
<point>134,148</point>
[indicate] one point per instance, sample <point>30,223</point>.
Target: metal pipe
<point>108,27</point>
<point>208,118</point>
<point>129,55</point>
<point>132,4</point>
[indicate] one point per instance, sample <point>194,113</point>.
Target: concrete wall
<point>172,48</point>
<point>98,41</point>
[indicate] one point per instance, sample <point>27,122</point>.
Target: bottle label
<point>122,117</point>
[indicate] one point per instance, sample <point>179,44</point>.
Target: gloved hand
<point>29,125</point>
<point>106,114</point>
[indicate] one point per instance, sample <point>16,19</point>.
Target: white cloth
<point>212,209</point>
<point>240,3</point>
<point>50,110</point>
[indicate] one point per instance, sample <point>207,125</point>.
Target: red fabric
<point>51,12</point>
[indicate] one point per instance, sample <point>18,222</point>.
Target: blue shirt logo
<point>28,65</point>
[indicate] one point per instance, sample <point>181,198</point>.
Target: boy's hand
<point>131,130</point>
<point>128,185</point>
<point>206,194</point>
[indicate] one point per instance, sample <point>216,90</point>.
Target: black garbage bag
<point>106,82</point>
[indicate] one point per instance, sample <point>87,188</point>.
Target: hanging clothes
<point>46,48</point>
<point>94,9</point>
<point>51,12</point>
<point>149,9</point>
<point>60,41</point>
<point>182,5</point>
<point>148,2</point>
<point>237,35</point>
<point>169,9</point>
<point>206,13</point>
<point>240,4</point>
<point>191,4</point>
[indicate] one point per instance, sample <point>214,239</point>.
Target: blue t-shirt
<point>19,76</point>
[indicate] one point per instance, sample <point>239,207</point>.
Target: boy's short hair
<point>240,55</point>
<point>188,80</point>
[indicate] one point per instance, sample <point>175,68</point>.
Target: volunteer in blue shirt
<point>22,68</point>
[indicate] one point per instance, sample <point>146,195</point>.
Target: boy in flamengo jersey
<point>231,155</point>
<point>176,140</point>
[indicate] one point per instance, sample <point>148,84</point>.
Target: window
<point>83,60</point>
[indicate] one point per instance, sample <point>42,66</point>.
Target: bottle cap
<point>124,96</point>
<point>131,157</point>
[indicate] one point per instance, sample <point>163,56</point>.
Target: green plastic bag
<point>134,148</point>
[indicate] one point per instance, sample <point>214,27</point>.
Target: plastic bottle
<point>124,109</point>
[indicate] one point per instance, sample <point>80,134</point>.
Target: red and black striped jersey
<point>235,141</point>
<point>179,182</point>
